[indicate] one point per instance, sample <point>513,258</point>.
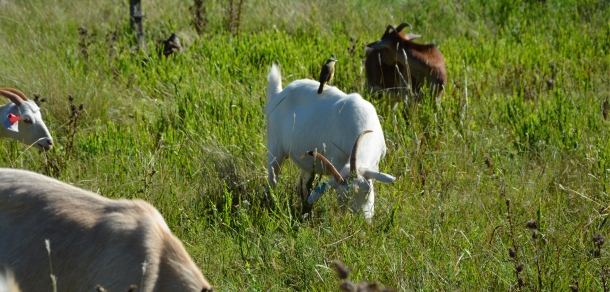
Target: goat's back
<point>93,240</point>
<point>395,62</point>
<point>299,120</point>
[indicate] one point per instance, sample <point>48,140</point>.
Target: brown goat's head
<point>392,41</point>
<point>396,62</point>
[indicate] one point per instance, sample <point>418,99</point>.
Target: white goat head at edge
<point>22,121</point>
<point>353,185</point>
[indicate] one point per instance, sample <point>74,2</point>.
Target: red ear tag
<point>13,118</point>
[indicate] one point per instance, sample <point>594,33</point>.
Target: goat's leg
<point>273,168</point>
<point>304,188</point>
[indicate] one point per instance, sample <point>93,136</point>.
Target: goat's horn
<point>353,168</point>
<point>12,97</point>
<point>15,91</point>
<point>328,165</point>
<point>387,29</point>
<point>402,25</point>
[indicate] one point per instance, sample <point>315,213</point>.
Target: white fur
<point>299,120</point>
<point>35,133</point>
<point>7,282</point>
<point>93,240</point>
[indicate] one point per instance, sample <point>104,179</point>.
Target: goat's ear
<point>378,45</point>
<point>11,122</point>
<point>379,176</point>
<point>411,36</point>
<point>319,191</point>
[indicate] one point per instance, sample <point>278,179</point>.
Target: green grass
<point>187,133</point>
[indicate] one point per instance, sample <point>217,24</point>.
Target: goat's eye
<point>27,120</point>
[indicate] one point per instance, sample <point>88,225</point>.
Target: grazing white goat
<point>299,120</point>
<point>93,240</point>
<point>22,120</point>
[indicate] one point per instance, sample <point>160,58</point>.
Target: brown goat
<point>397,66</point>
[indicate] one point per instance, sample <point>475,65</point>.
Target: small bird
<point>328,71</point>
<point>170,46</point>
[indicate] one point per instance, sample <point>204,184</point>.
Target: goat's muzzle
<point>46,147</point>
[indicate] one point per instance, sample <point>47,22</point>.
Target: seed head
<point>574,287</point>
<point>512,252</point>
<point>347,286</point>
<point>535,234</point>
<point>365,286</point>
<point>47,243</point>
<point>520,268</point>
<point>342,270</point>
<point>533,224</point>
<point>598,239</point>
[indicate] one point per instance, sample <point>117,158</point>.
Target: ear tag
<point>10,123</point>
<point>13,118</point>
<point>321,188</point>
<point>317,193</point>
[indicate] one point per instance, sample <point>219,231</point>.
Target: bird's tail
<point>274,85</point>
<point>321,87</point>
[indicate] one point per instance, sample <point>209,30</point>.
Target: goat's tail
<point>275,82</point>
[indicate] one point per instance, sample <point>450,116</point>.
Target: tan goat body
<point>93,240</point>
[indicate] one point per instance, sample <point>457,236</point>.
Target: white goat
<point>93,240</point>
<point>22,120</point>
<point>299,120</point>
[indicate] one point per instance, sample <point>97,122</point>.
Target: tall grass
<point>521,120</point>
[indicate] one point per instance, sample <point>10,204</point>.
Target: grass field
<point>519,139</point>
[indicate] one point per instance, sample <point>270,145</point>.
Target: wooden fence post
<point>135,19</point>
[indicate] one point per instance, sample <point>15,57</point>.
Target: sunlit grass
<point>521,119</point>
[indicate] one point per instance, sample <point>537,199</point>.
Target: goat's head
<point>23,121</point>
<point>353,184</point>
<point>392,44</point>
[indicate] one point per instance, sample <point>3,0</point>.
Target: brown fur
<point>93,240</point>
<point>425,62</point>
